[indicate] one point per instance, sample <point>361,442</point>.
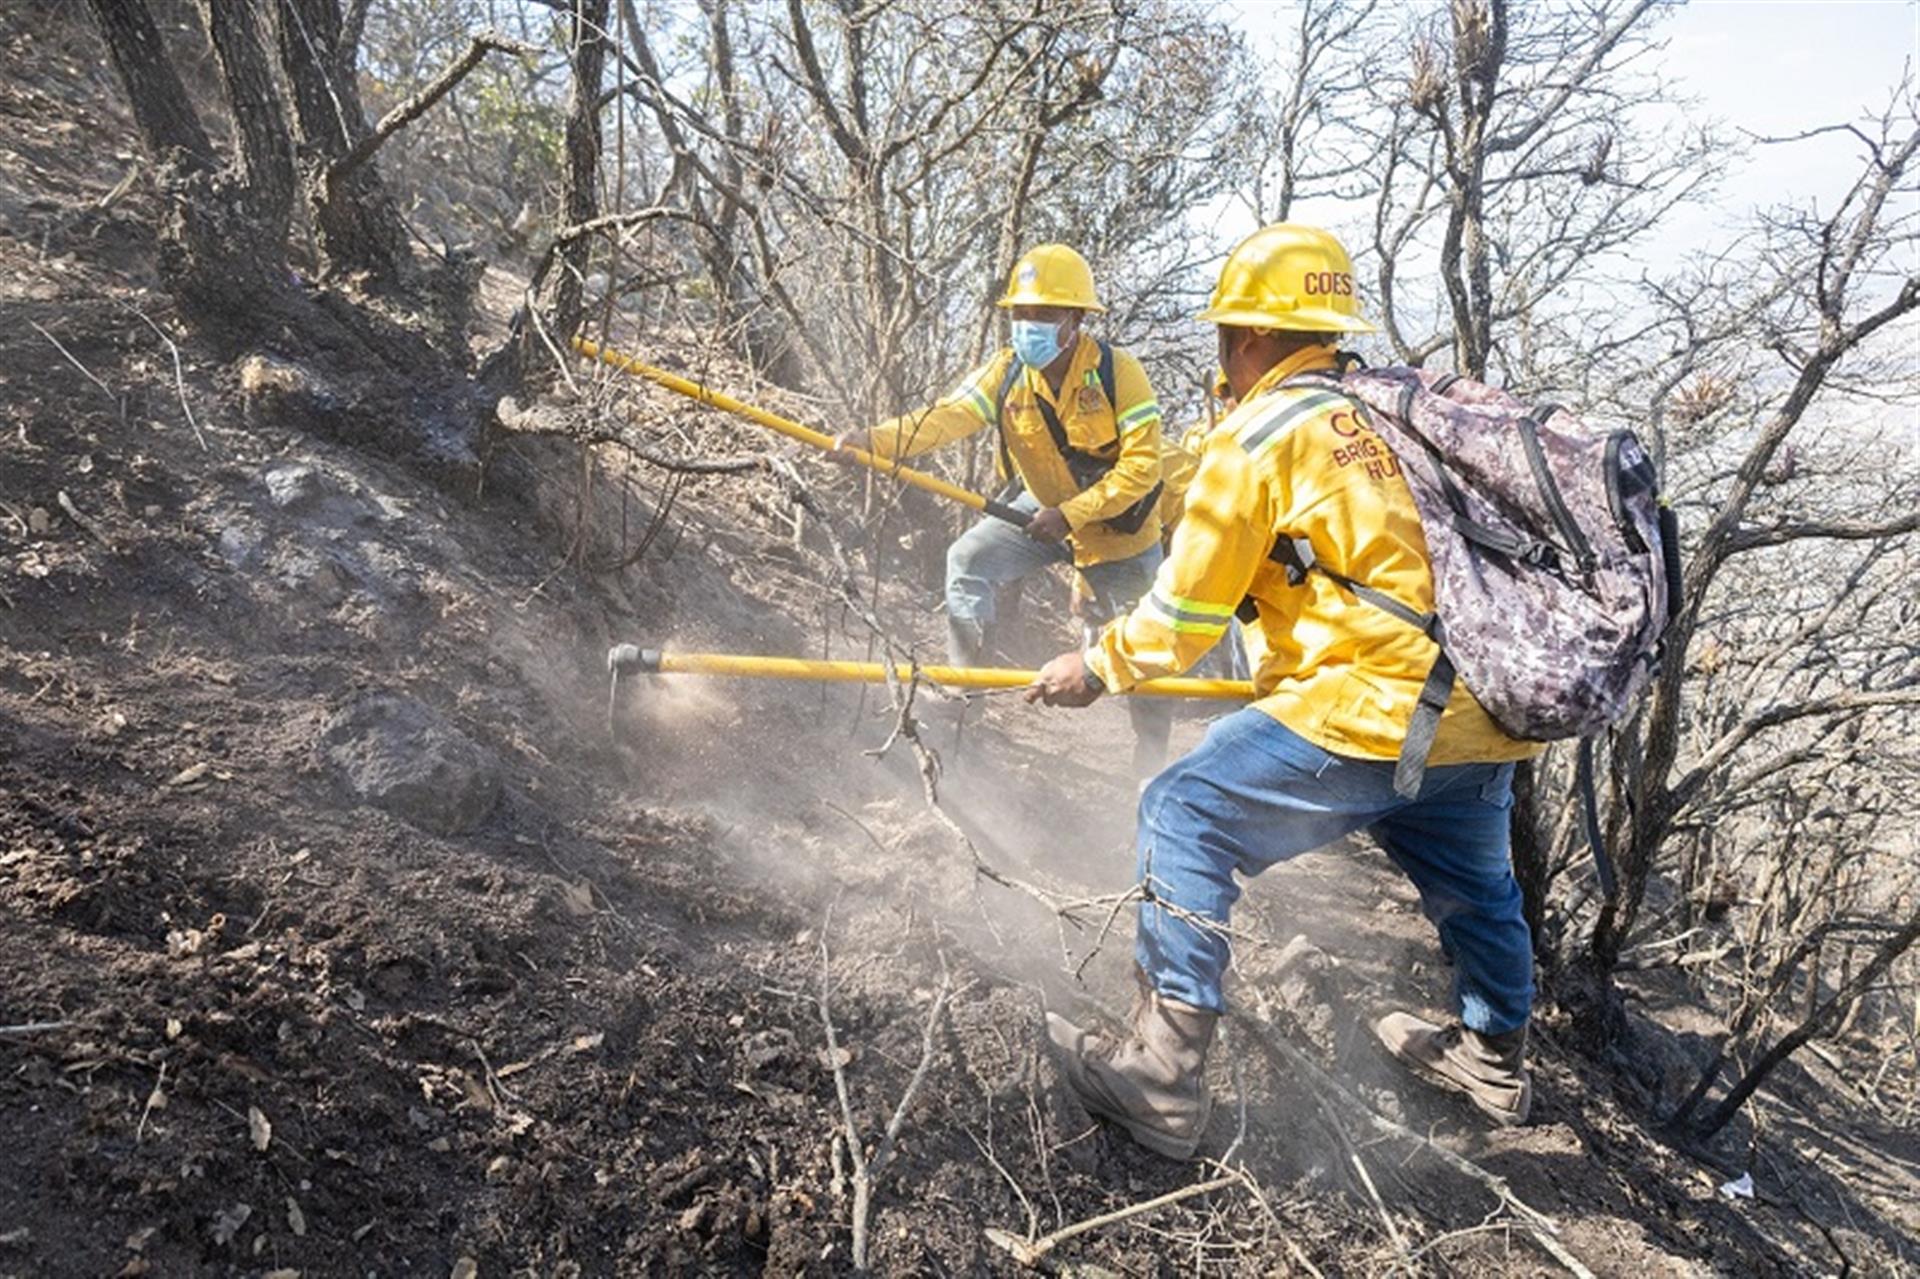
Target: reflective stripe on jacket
<point>1128,433</point>
<point>1300,462</point>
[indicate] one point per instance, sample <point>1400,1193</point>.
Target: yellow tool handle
<point>630,658</point>
<point>793,430</point>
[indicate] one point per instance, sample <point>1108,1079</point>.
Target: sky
<point>1770,67</point>
<point>1780,67</point>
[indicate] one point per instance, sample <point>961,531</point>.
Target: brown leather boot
<point>1153,1082</point>
<point>1486,1069</point>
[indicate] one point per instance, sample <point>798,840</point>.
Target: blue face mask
<point>1037,344</point>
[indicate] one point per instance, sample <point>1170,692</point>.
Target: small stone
<point>291,484</point>
<point>500,1169</point>
<point>39,520</point>
<point>238,544</point>
<point>398,754</point>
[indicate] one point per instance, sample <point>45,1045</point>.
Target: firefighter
<point>1313,758</point>
<point>1077,431</point>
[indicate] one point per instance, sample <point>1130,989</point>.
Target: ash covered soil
<point>341,936</point>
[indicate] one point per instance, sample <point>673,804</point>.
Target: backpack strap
<point>1590,816</point>
<point>1295,554</point>
<point>1086,468</point>
<point>1007,384</point>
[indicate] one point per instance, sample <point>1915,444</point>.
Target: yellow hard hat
<point>1051,275</point>
<point>1287,276</point>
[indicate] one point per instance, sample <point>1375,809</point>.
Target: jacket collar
<point>1310,360</point>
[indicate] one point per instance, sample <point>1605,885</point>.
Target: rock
<point>239,543</point>
<point>39,521</point>
<point>291,484</point>
<point>315,577</point>
<point>399,755</point>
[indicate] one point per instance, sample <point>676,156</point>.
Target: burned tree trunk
<point>355,220</point>
<point>582,192</point>
<point>222,239</point>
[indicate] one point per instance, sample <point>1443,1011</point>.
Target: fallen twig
<point>34,1027</point>
<point>1252,1187</point>
<point>179,375</point>
<point>541,419</point>
<point>84,370</point>
<point>73,513</point>
<point>154,1098</point>
<point>1030,1252</point>
<point>866,1171</point>
<point>1328,1091</point>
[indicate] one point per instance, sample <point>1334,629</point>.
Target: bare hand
<point>1064,682</point>
<point>1048,525</point>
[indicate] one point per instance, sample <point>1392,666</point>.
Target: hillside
<point>342,936</point>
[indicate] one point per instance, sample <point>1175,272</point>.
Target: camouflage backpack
<point>1555,565</point>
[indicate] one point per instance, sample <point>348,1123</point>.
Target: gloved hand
<point>1065,681</point>
<point>1048,525</point>
<point>844,445</point>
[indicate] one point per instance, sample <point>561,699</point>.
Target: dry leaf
<point>283,1273</point>
<point>587,1043</point>
<point>577,898</point>
<point>476,1094</point>
<point>296,1220</point>
<point>465,1268</point>
<point>174,1028</point>
<point>134,1269</point>
<point>839,1059</point>
<point>188,776</point>
<point>228,1223</point>
<point>511,1069</point>
<point>258,1128</point>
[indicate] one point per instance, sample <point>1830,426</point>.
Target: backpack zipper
<point>1576,541</point>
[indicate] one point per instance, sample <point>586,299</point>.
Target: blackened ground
<point>293,1032</point>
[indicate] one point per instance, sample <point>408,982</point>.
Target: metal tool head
<point>626,659</point>
<point>631,659</point>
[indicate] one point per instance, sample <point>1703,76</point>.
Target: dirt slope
<point>577,1030</point>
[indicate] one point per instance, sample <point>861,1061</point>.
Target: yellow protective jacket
<point>1127,432</point>
<point>1179,463</point>
<point>1343,674</point>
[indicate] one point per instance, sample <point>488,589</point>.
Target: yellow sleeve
<point>1220,543</point>
<point>967,408</point>
<point>1137,469</point>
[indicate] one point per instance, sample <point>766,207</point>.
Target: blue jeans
<point>993,554</point>
<point>1255,793</point>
